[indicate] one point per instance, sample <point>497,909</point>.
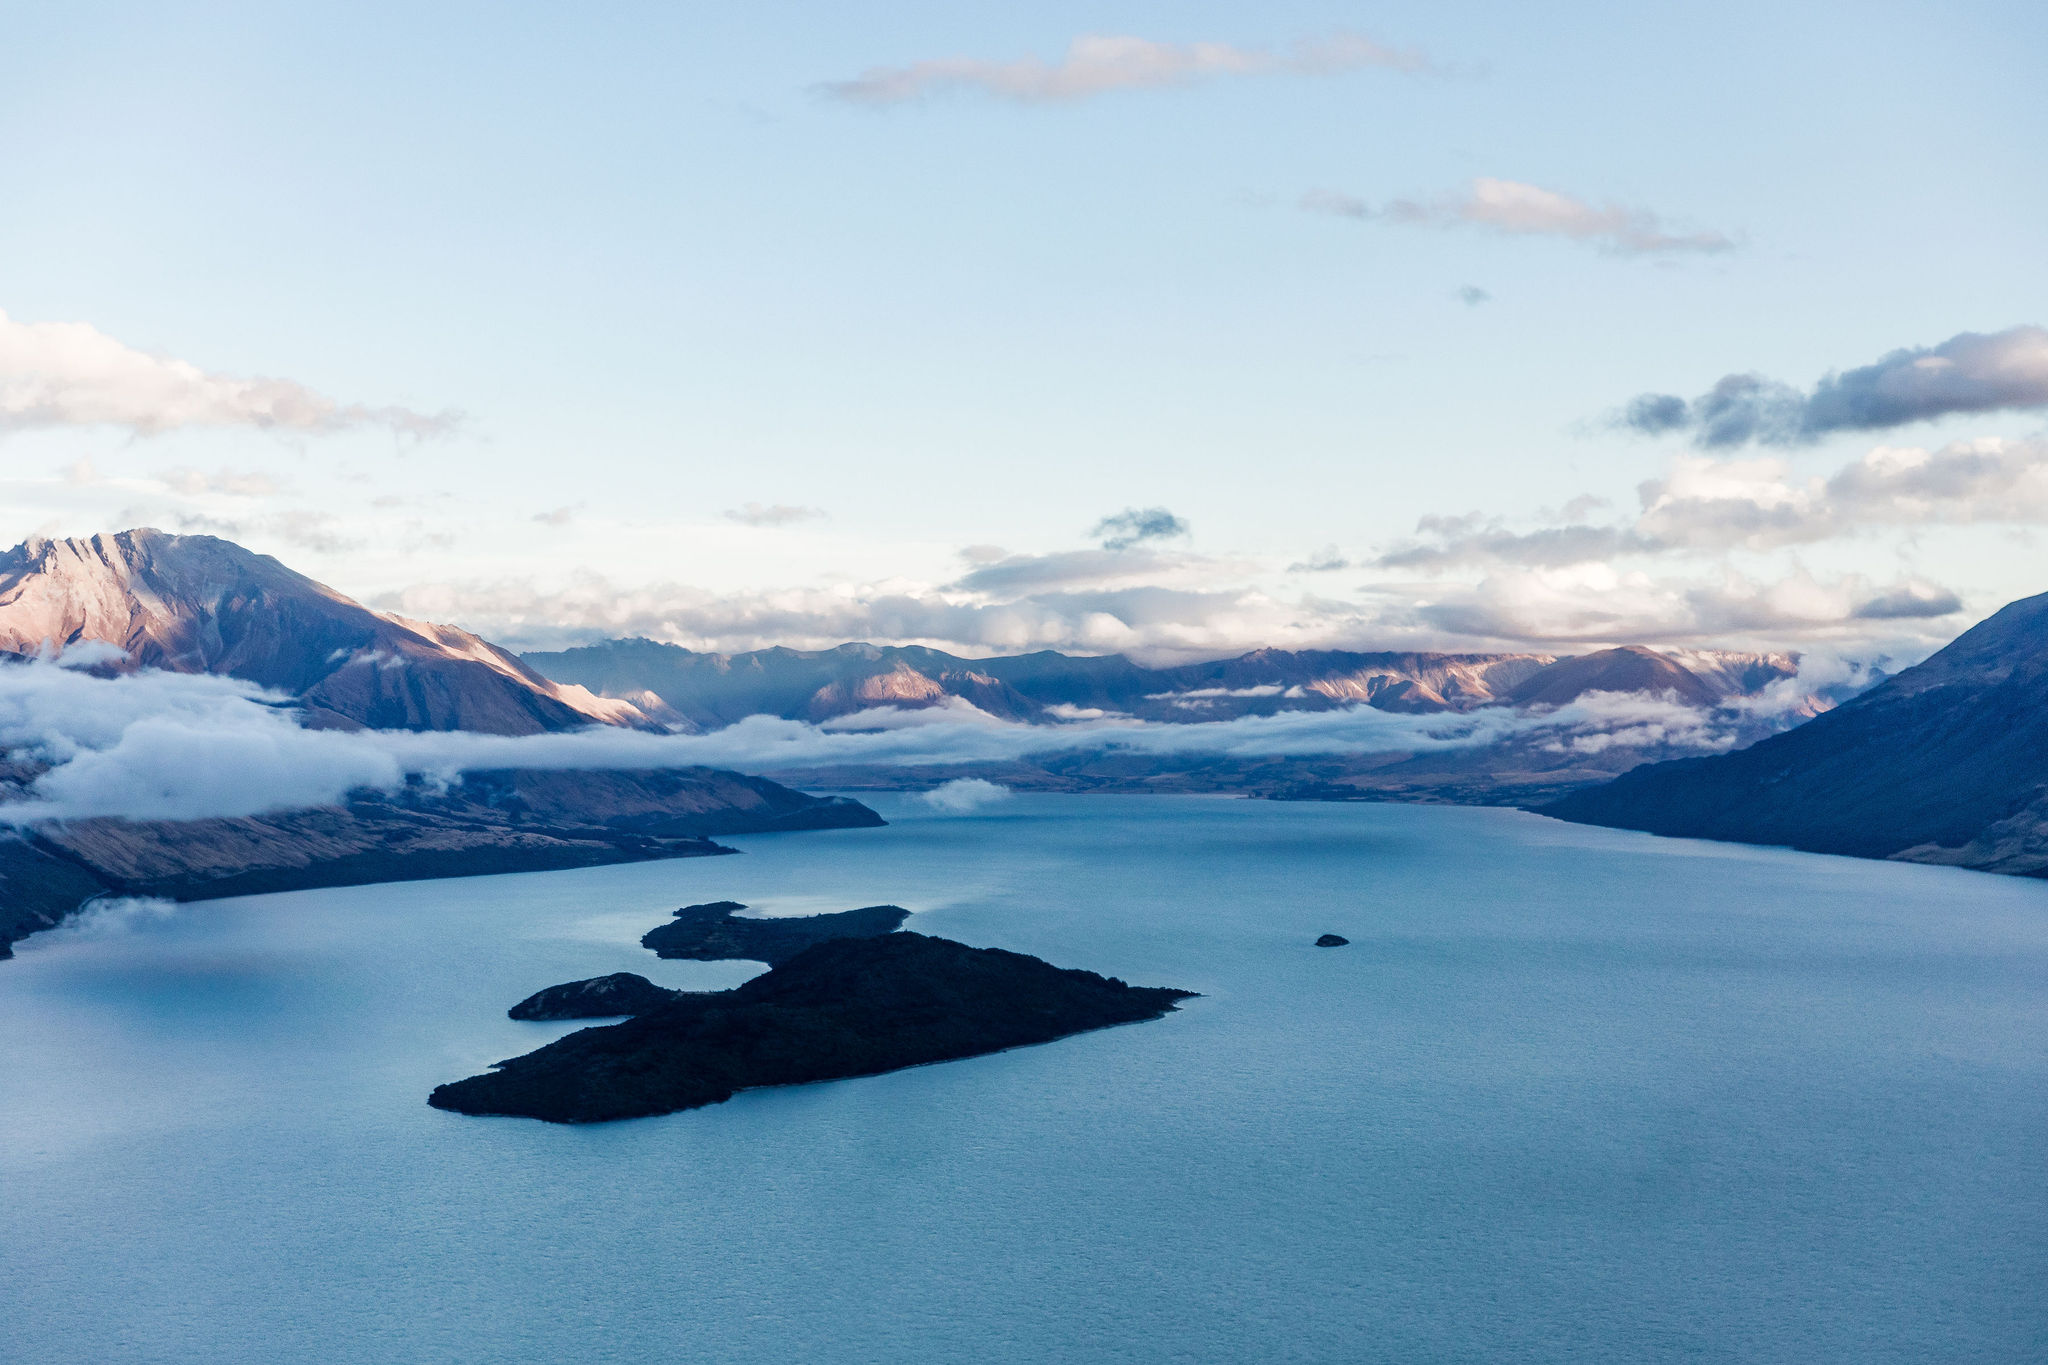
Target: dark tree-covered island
<point>844,1007</point>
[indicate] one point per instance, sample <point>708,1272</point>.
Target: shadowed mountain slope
<point>1946,763</point>
<point>487,823</point>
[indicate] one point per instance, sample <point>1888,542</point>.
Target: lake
<point>1569,1095</point>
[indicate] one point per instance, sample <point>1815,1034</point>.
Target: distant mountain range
<point>709,691</point>
<point>1946,762</point>
<point>196,604</point>
<point>701,691</point>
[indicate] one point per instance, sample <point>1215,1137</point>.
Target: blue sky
<point>665,275</point>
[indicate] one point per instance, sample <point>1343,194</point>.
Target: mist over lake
<point>1569,1094</point>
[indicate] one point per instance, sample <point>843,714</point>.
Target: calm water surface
<point>1571,1095</point>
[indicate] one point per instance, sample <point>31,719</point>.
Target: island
<point>601,997</point>
<point>716,932</point>
<point>1326,941</point>
<point>840,1008</point>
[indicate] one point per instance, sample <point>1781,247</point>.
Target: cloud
<point>1326,560</point>
<point>1711,505</point>
<point>116,916</point>
<point>559,516</point>
<point>777,514</point>
<point>965,795</point>
<point>1971,372</point>
<point>1135,525</point>
<point>1019,574</point>
<point>1097,64</point>
<point>171,746</point>
<point>1517,209</point>
<point>1910,602</point>
<point>160,746</point>
<point>61,374</point>
<point>1594,604</point>
<point>1536,586</point>
<point>1471,295</point>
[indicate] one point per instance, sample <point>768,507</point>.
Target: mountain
<point>196,604</point>
<point>708,691</point>
<point>1946,762</point>
<point>1630,669</point>
<point>489,822</point>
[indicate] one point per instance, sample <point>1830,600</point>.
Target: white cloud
<point>1517,209</point>
<point>1097,64</point>
<point>172,746</point>
<point>62,374</point>
<point>965,795</point>
<point>1598,604</point>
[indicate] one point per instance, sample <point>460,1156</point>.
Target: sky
<point>1175,329</point>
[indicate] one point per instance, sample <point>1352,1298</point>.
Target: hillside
<point>1945,763</point>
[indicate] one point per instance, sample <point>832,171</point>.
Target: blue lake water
<point>1570,1095</point>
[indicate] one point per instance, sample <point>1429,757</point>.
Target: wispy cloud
<point>61,374</point>
<point>1971,372</point>
<point>1097,64</point>
<point>772,514</point>
<point>1517,209</point>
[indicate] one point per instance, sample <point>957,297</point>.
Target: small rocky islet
<point>846,994</point>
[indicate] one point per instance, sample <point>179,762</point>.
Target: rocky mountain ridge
<point>198,604</point>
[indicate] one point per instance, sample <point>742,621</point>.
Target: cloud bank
<point>164,746</point>
<point>1098,64</point>
<point>1712,505</point>
<point>1513,208</point>
<point>64,374</point>
<point>1971,372</point>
